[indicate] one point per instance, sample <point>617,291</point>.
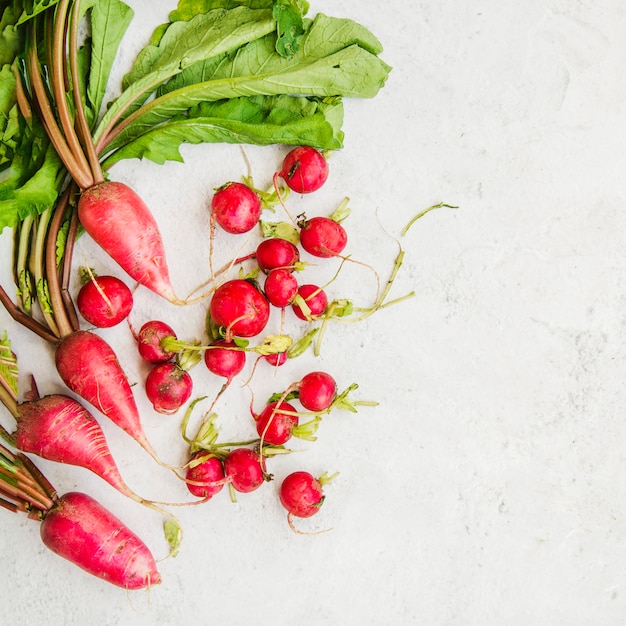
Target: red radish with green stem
<point>302,494</point>
<point>104,301</point>
<point>304,170</point>
<point>168,386</point>
<point>150,339</point>
<point>77,527</point>
<point>322,236</point>
<point>310,302</point>
<point>279,421</point>
<point>244,470</point>
<point>240,308</point>
<point>317,391</point>
<point>205,475</point>
<point>280,287</point>
<point>236,208</point>
<point>274,253</point>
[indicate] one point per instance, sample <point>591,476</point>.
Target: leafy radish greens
<point>248,72</point>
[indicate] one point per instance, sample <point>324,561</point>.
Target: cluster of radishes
<point>239,310</point>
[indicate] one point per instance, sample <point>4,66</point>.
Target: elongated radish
<point>90,368</point>
<point>120,222</point>
<point>81,530</point>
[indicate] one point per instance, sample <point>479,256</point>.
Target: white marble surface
<point>488,486</point>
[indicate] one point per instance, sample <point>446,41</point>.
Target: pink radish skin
<point>301,494</point>
<point>316,391</point>
<point>104,301</point>
<point>236,208</point>
<point>119,221</point>
<point>90,368</point>
<point>280,287</point>
<point>276,359</point>
<point>316,300</point>
<point>276,423</point>
<point>225,359</point>
<point>209,473</point>
<point>149,340</point>
<point>276,253</point>
<point>168,387</point>
<point>323,237</point>
<point>240,307</point>
<point>82,531</point>
<point>304,169</point>
<point>60,429</point>
<point>243,469</point>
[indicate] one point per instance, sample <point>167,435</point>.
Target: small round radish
<point>316,391</point>
<point>104,301</point>
<point>280,287</point>
<point>204,475</point>
<point>243,468</point>
<point>276,358</point>
<point>240,307</point>
<point>301,494</point>
<point>323,237</point>
<point>315,299</point>
<point>149,341</point>
<point>168,387</point>
<point>304,169</point>
<point>275,424</point>
<point>274,253</point>
<point>225,359</point>
<point>236,208</point>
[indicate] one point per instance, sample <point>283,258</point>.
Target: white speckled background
<point>488,486</point>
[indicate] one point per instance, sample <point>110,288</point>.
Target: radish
<point>149,341</point>
<point>317,391</point>
<point>279,422</point>
<point>280,287</point>
<point>240,307</point>
<point>302,494</point>
<point>277,358</point>
<point>236,208</point>
<point>90,368</point>
<point>104,301</point>
<point>310,302</point>
<point>243,469</point>
<point>274,253</point>
<point>304,169</point>
<point>322,236</point>
<point>168,386</point>
<point>119,221</point>
<point>224,358</point>
<point>82,531</point>
<point>76,527</point>
<point>205,475</point>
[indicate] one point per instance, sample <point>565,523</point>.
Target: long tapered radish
<point>90,368</point>
<point>80,529</point>
<point>120,222</point>
<point>60,429</point>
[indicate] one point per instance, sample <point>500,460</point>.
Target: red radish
<point>225,359</point>
<point>323,237</point>
<point>316,391</point>
<point>205,475</point>
<point>243,468</point>
<point>168,387</point>
<point>82,531</point>
<point>60,429</point>
<point>149,340</point>
<point>90,368</point>
<point>236,208</point>
<point>302,494</point>
<point>275,424</point>
<point>119,221</point>
<point>274,253</point>
<point>304,169</point>
<point>104,301</point>
<point>310,303</point>
<point>240,307</point>
<point>280,287</point>
<point>276,358</point>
